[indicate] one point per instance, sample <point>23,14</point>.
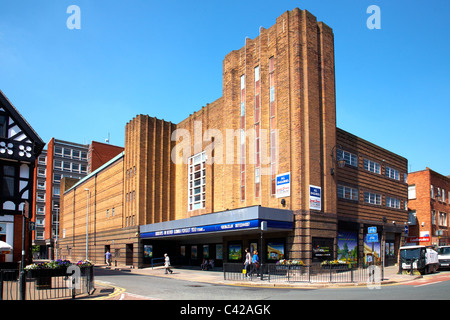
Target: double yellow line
<point>117,291</point>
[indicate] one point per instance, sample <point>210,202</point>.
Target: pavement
<point>106,291</point>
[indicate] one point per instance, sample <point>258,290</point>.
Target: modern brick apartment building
<point>61,159</point>
<point>266,151</point>
<point>429,207</point>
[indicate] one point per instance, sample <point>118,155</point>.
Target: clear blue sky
<point>164,59</point>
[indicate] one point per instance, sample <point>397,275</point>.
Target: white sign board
<point>315,198</point>
<point>283,185</point>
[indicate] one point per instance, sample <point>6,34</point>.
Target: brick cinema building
<point>268,151</point>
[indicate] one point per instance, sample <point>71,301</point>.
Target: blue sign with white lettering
<point>372,230</point>
<point>216,228</point>
<point>372,237</point>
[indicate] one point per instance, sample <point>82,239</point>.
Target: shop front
<point>218,237</point>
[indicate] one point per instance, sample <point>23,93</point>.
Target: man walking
<point>167,263</point>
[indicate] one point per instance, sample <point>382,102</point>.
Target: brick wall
<point>424,205</point>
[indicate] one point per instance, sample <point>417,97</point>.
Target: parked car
<point>444,257</point>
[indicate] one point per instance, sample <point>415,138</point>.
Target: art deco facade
<point>266,151</point>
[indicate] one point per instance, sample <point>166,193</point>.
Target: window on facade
<point>242,147</point>
<point>41,172</point>
<point>432,192</point>
<point>372,198</point>
<point>372,166</point>
<point>197,182</point>
<point>42,160</point>
<point>412,220</point>
<point>433,217</point>
<point>392,203</point>
<point>442,219</point>
<point>76,154</point>
<point>67,152</point>
<point>3,126</point>
<point>443,195</point>
<point>392,173</point>
<point>9,173</point>
<point>56,190</point>
<point>257,131</point>
<point>58,151</point>
<point>272,124</point>
<point>350,158</point>
<point>66,166</point>
<point>58,164</point>
<point>75,167</point>
<point>412,191</point>
<point>345,192</point>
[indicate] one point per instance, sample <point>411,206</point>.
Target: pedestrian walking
<point>167,263</point>
<point>255,263</point>
<point>108,257</point>
<point>248,261</point>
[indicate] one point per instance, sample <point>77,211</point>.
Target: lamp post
<point>56,206</point>
<point>87,224</point>
<point>340,161</point>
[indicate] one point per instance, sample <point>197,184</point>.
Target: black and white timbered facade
<point>20,146</point>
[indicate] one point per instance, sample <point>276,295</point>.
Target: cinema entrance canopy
<point>239,221</point>
<point>190,240</point>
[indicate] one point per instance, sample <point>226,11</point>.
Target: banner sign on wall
<point>283,185</point>
<point>315,198</point>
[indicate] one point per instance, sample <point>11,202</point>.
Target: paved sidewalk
<point>106,291</point>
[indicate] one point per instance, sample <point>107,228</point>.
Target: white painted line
<point>426,284</point>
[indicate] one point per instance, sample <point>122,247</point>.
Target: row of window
<point>131,172</point>
<point>70,166</point>
<point>435,193</point>
<point>441,218</point>
<point>349,193</point>
<point>369,165</point>
<point>70,153</point>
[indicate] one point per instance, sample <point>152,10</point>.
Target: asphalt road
<point>144,287</point>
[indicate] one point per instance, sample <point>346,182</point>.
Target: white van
<point>444,256</point>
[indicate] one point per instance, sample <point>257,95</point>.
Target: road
<point>144,287</point>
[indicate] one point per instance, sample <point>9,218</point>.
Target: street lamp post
<point>87,224</point>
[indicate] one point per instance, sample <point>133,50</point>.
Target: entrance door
<point>129,255</point>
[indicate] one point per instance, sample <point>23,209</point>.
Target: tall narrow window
<point>257,131</point>
<point>242,162</point>
<point>273,143</point>
<point>197,182</point>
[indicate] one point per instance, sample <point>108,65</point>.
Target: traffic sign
<point>372,237</point>
<point>406,229</point>
<point>372,230</point>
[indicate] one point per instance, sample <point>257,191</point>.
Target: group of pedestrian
<point>251,263</point>
<point>207,264</point>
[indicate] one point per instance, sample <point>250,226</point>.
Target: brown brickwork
<point>424,205</point>
<point>156,188</point>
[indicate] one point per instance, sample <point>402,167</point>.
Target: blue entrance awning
<point>248,218</point>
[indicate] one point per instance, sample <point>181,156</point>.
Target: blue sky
<point>165,58</point>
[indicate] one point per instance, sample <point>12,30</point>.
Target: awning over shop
<point>242,219</point>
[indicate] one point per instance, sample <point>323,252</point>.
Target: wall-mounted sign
<point>315,198</point>
<point>283,185</point>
